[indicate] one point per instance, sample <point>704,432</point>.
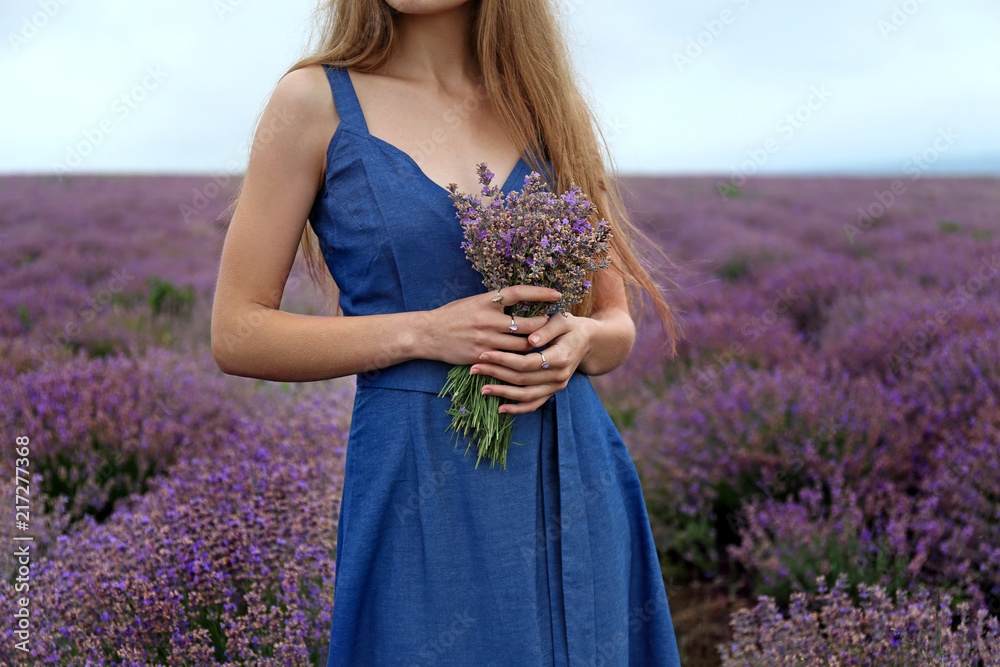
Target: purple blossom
<point>529,231</point>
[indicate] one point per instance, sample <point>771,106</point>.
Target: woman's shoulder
<point>305,93</point>
<point>298,119</point>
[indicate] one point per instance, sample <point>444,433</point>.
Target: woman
<point>551,560</point>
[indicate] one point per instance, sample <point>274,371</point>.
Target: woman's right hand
<point>459,331</point>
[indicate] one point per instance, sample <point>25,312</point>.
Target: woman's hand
<point>460,331</point>
<point>571,340</point>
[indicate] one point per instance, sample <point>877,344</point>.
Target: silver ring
<point>545,364</point>
<point>512,327</point>
<point>498,298</point>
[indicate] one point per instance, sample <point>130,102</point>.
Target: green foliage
<point>728,190</point>
<point>735,268</point>
<point>949,226</point>
<point>22,314</point>
<point>101,348</point>
<point>67,473</point>
<point>165,298</point>
<point>622,417</point>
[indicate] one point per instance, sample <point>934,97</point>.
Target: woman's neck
<point>435,49</point>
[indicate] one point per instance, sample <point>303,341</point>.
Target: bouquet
<point>532,237</point>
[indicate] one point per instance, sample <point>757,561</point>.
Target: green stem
<point>481,420</point>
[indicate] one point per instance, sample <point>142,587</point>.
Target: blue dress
<point>550,561</point>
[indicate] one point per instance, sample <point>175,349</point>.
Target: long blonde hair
<point>531,85</point>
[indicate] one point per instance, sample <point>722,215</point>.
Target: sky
<point>733,87</point>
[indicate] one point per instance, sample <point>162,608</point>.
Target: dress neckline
<point>407,157</point>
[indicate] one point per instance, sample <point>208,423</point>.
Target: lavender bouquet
<point>532,237</point>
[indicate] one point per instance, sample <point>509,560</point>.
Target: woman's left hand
<point>569,339</point>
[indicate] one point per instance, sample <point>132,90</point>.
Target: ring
<point>545,364</point>
<point>498,298</point>
<point>512,327</point>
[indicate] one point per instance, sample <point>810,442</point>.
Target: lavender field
<point>820,461</point>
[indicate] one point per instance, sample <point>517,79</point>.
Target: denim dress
<point>547,562</point>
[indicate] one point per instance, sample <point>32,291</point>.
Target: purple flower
<point>526,238</point>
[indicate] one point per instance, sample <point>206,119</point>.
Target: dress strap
<point>344,97</point>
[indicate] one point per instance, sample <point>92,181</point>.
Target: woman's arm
<point>251,337</point>
<point>612,330</point>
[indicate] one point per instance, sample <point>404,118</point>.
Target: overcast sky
<point>725,87</point>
